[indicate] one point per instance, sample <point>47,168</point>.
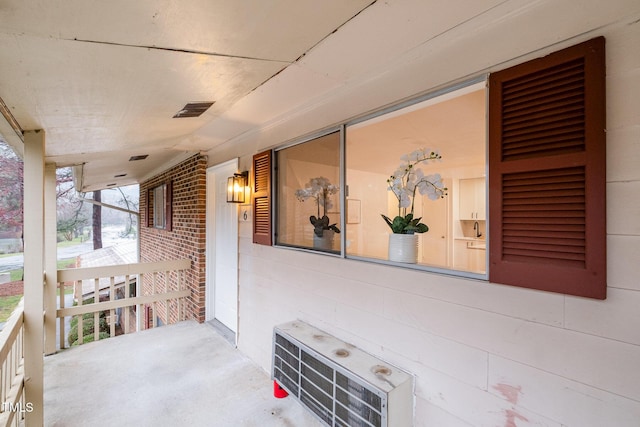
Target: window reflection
<point>308,183</point>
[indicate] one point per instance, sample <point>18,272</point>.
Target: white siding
<point>482,354</point>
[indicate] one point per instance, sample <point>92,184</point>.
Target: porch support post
<point>34,275</point>
<point>50,259</point>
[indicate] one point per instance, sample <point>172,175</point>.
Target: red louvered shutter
<point>547,173</point>
<point>262,198</point>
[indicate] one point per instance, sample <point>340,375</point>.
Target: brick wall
<point>186,239</point>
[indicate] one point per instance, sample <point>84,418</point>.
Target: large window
<point>425,186</point>
<point>420,158</point>
<point>159,217</point>
<point>308,194</point>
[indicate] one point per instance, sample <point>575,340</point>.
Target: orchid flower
<point>404,183</point>
<point>319,189</point>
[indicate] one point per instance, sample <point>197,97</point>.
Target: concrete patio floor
<point>178,375</point>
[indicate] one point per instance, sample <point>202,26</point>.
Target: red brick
<point>185,240</point>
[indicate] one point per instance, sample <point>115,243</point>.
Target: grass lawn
<point>16,274</point>
<point>66,263</point>
<point>68,290</point>
<point>7,305</point>
<point>62,263</point>
<point>78,240</point>
<point>8,255</point>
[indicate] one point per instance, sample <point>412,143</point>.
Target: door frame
<point>231,167</point>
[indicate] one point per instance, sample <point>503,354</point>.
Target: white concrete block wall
<point>482,354</point>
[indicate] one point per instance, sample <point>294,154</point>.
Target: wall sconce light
<point>236,185</point>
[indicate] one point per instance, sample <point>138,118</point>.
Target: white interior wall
<point>369,237</point>
<point>482,354</point>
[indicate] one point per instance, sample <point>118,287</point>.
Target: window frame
<point>159,206</point>
<point>340,130</point>
<point>166,188</point>
<point>480,79</point>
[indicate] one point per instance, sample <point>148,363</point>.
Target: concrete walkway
<point>178,375</point>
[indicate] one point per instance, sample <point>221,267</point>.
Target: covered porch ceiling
<point>105,79</point>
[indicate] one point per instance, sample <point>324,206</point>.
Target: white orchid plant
<point>320,189</point>
<point>405,182</point>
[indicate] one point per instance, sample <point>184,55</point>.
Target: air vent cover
<point>340,384</point>
<point>193,109</point>
<point>136,158</point>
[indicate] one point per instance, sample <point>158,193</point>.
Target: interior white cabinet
<point>468,258</point>
<point>460,255</point>
<point>477,260</point>
<point>472,199</point>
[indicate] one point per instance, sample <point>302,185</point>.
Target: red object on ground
<point>278,391</point>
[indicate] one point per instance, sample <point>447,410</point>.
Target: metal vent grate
<point>193,109</point>
<point>353,391</point>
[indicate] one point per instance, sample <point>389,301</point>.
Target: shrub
<point>90,338</point>
<point>88,326</point>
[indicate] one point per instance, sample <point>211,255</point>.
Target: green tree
<point>11,189</point>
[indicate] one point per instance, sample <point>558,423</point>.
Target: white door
<point>222,248</point>
<point>435,242</point>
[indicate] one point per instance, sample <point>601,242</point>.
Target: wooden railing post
<point>50,259</point>
<point>61,326</point>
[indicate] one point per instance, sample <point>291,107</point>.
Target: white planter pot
<point>325,242</point>
<point>403,248</point>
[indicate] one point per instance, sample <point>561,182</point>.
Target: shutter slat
<point>548,214</point>
<point>568,103</point>
<point>551,123</point>
<point>526,240</point>
<point>568,252</point>
<point>535,203</point>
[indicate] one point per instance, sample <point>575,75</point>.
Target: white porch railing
<point>12,402</point>
<point>168,291</point>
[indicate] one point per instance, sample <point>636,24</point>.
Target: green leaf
<point>399,224</point>
<point>422,228</point>
<point>406,224</point>
<point>388,221</point>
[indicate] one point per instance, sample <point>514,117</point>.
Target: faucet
<point>476,228</point>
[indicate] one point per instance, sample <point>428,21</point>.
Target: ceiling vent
<point>135,158</point>
<point>193,109</point>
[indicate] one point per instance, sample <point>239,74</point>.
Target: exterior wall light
<point>236,187</point>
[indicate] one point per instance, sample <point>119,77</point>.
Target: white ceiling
<point>104,78</point>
